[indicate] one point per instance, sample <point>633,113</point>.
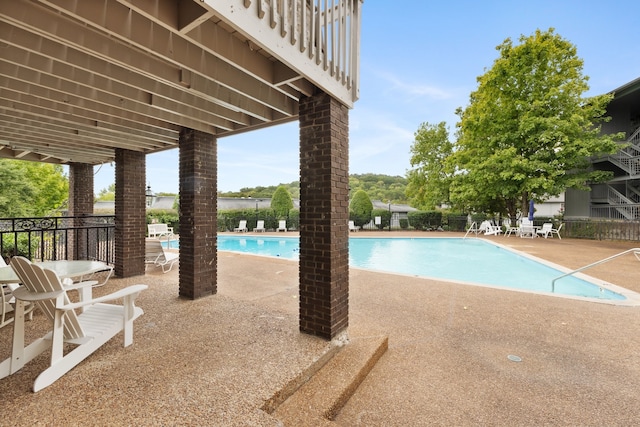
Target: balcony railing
<point>318,39</point>
<point>59,238</point>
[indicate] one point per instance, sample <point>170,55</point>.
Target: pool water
<point>463,260</point>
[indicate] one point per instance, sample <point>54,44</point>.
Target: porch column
<point>80,204</point>
<point>130,212</point>
<point>324,216</point>
<point>198,214</point>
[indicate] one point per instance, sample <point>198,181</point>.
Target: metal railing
<point>593,264</point>
<point>59,238</point>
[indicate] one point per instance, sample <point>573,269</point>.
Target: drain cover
<point>514,358</point>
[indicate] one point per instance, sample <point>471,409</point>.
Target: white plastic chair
<point>156,255</point>
<point>88,330</point>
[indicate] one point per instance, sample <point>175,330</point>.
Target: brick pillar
<point>198,214</point>
<point>80,204</point>
<point>130,212</point>
<point>324,216</point>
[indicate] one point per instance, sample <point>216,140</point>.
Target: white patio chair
<point>282,225</point>
<point>556,231</point>
<point>155,254</point>
<point>159,230</point>
<point>242,227</point>
<point>545,231</point>
<point>89,330</point>
<point>353,226</point>
<point>259,226</point>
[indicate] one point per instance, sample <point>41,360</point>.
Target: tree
<point>30,188</point>
<point>429,179</point>
<point>361,208</point>
<point>528,133</point>
<point>107,194</point>
<point>281,202</point>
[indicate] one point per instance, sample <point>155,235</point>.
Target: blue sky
<point>419,62</point>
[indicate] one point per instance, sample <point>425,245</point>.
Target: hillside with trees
<point>377,187</point>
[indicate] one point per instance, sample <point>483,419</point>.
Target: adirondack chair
<point>89,330</point>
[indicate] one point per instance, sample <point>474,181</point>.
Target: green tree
<point>527,132</point>
<point>361,208</point>
<point>281,202</point>
<point>429,178</point>
<point>107,194</point>
<point>31,188</point>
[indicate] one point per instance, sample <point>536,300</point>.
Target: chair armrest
<point>24,294</point>
<point>129,290</point>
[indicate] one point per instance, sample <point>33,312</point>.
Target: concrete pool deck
<point>215,361</point>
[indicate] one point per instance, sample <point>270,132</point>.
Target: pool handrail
<point>472,228</point>
<point>636,252</point>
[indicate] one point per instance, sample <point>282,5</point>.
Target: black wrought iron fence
<point>59,238</point>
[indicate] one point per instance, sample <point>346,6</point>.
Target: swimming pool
<point>462,260</point>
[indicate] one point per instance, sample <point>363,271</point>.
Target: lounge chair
<point>545,231</point>
<point>89,330</point>
<point>156,255</point>
<point>259,226</point>
<point>282,225</point>
<point>353,227</point>
<point>492,229</point>
<point>159,230</point>
<point>242,227</point>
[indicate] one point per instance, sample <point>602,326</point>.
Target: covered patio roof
<point>80,79</point>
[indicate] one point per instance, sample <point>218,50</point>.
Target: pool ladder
<point>636,252</point>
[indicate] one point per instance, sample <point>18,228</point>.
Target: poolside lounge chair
<point>545,231</point>
<point>492,229</point>
<point>353,227</point>
<point>282,225</point>
<point>259,226</point>
<point>89,330</point>
<point>242,227</point>
<point>156,255</point>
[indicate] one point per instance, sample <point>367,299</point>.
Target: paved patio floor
<point>216,360</point>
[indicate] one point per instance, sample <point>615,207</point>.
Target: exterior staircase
<point>620,197</point>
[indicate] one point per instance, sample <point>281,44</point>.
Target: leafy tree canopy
<point>31,188</point>
<point>429,179</point>
<point>281,202</point>
<point>527,132</point>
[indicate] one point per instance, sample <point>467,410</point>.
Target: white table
<point>64,269</point>
<point>67,270</point>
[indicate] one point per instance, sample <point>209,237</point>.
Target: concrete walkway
<point>217,360</point>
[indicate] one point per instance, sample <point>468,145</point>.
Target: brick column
<point>80,204</point>
<point>130,212</point>
<point>324,216</point>
<point>198,214</point>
